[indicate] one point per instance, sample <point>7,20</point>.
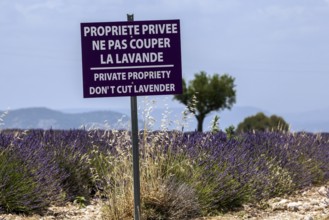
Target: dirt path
<point>309,204</point>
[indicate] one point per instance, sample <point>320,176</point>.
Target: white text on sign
<point>124,30</point>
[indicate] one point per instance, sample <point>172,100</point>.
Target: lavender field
<point>183,175</point>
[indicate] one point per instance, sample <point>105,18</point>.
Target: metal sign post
<point>134,138</point>
<point>134,130</point>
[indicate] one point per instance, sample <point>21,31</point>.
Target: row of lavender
<point>39,168</point>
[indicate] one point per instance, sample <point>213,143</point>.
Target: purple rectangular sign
<point>131,58</point>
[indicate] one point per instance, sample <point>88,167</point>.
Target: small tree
<point>260,122</point>
<point>213,93</point>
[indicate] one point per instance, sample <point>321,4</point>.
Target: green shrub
<point>74,166</point>
<point>260,122</point>
<point>19,191</point>
<point>217,189</point>
<point>271,180</point>
<point>230,132</point>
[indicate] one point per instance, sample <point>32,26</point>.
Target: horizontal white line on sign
<point>130,67</point>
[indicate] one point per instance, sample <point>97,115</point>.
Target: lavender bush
<point>29,181</point>
<point>183,175</point>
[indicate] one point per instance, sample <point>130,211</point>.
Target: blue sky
<point>277,50</point>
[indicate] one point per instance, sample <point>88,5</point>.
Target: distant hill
<point>45,118</point>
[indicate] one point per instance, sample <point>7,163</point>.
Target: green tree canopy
<point>260,122</point>
<point>212,93</point>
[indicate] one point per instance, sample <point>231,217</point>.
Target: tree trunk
<point>200,119</point>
